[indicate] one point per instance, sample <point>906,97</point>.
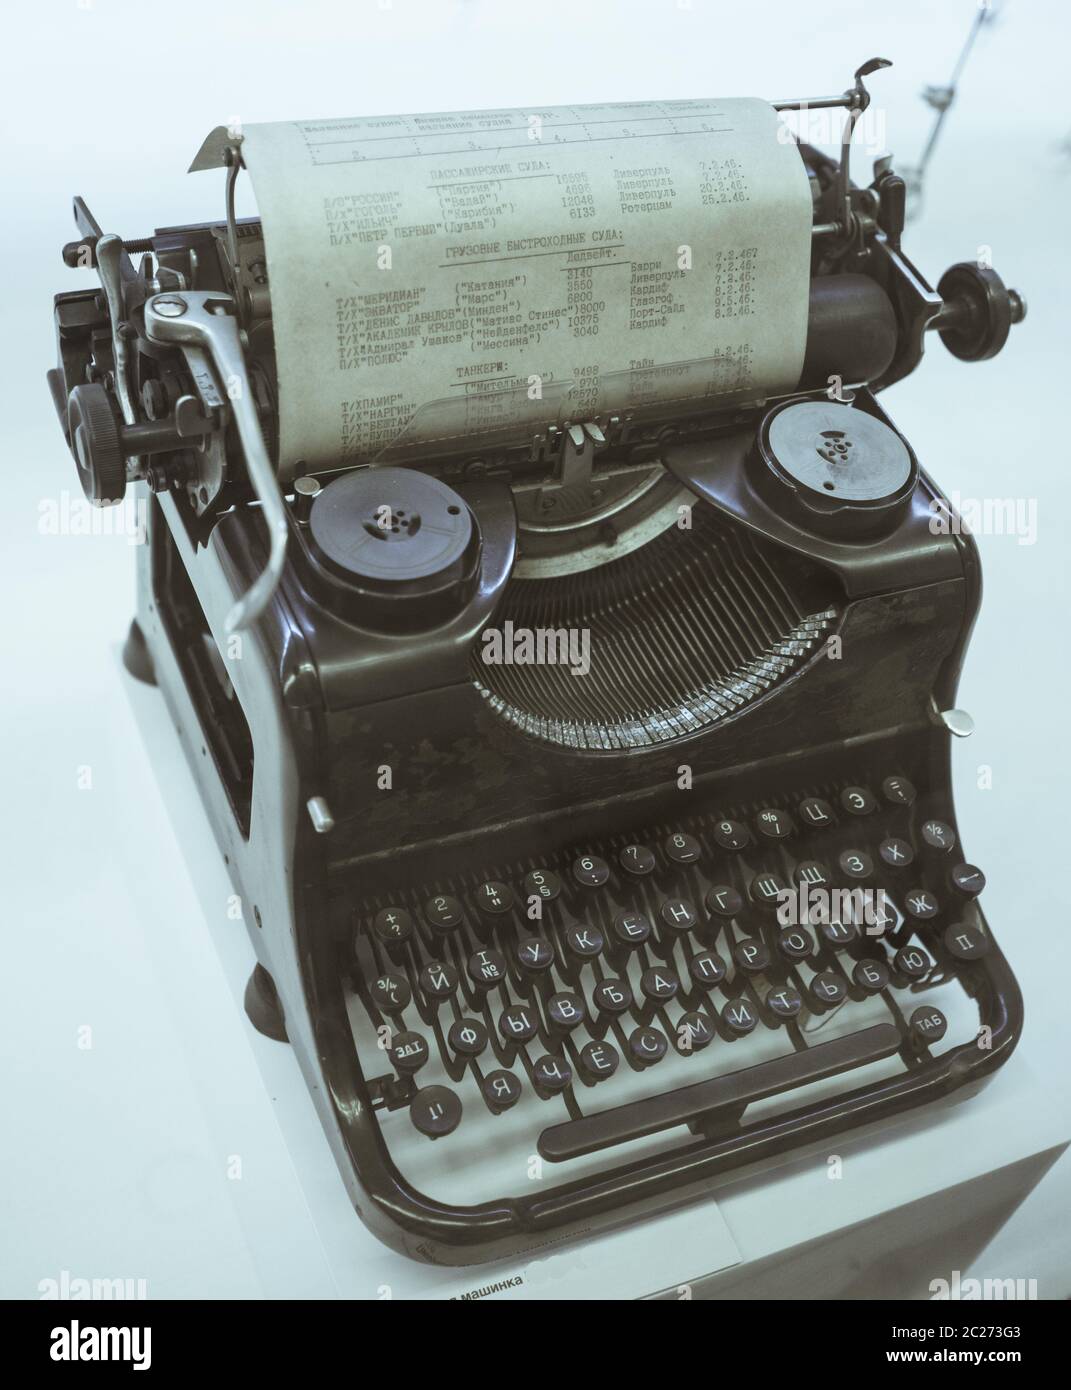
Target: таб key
<point>928,1025</point>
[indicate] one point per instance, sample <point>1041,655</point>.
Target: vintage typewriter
<point>526,931</point>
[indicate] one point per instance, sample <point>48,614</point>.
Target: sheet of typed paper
<point>439,282</point>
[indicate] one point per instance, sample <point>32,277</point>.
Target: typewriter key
<point>551,1075</point>
<point>968,879</point>
<point>443,914</point>
<point>391,992</point>
<point>827,989</point>
<point>898,791</point>
<point>393,926</point>
<point>724,901</point>
<point>856,863</point>
<point>591,871</point>
<point>694,1032</point>
<point>858,801</point>
<point>631,928</point>
<point>731,834</point>
<point>783,1001</point>
<point>896,853</point>
<point>467,1037</point>
<point>534,954</point>
<point>637,859</point>
<point>565,1010</point>
<point>682,848</point>
<point>647,1046</point>
<point>796,944</point>
<point>775,825</point>
<point>501,1090</point>
<point>928,1025</point>
<point>660,983</point>
<point>435,1111</point>
<point>839,934</point>
<point>598,1060</point>
<point>912,962</point>
<point>766,890</point>
<point>965,942</point>
<point>678,914</point>
<point>751,955</point>
<point>812,873</point>
<point>486,969</point>
<point>585,942</point>
<point>920,904</point>
<point>408,1052</point>
<point>542,883</point>
<point>887,922</point>
<point>739,1017</point>
<point>938,835</point>
<point>438,980</point>
<point>518,1023</point>
<point>871,976</point>
<point>816,812</point>
<point>494,898</point>
<point>612,996</point>
<point>706,970</point>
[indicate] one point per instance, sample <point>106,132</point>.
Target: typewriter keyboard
<point>551,1018</point>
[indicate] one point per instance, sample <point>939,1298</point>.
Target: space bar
<point>736,1090</point>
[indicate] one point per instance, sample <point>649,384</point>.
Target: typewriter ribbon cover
<point>442,281</point>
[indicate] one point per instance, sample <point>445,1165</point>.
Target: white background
<point>114,1159</point>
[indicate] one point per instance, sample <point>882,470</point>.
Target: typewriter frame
<point>315,719</point>
<point>282,870</point>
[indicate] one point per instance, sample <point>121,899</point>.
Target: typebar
<point>736,1090</point>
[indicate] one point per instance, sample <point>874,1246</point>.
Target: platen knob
<point>977,313</point>
<point>97,445</point>
<point>833,469</point>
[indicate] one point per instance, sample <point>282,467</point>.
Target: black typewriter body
<point>521,926</point>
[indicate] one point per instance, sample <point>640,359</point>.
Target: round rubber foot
<point>136,656</point>
<point>263,1006</point>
